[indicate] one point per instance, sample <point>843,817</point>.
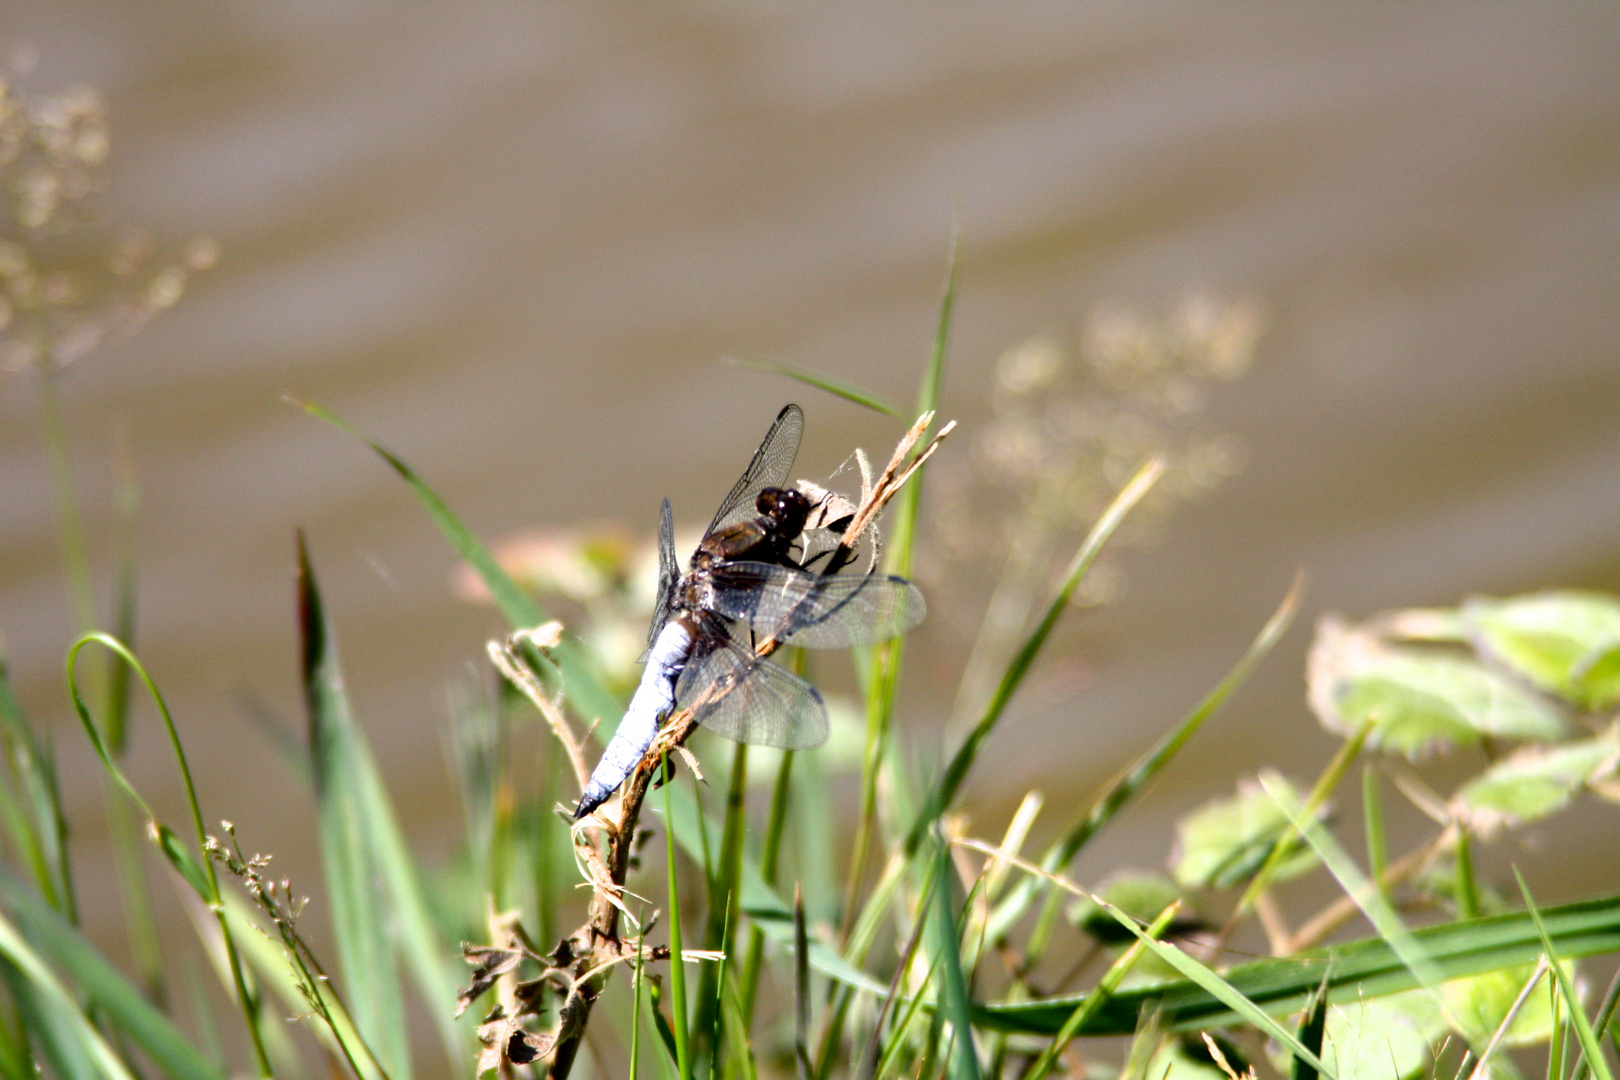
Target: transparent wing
<point>769,468</point>
<point>669,573</point>
<point>813,610</point>
<point>744,697</point>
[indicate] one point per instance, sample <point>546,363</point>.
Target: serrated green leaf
<point>1565,642</point>
<point>1222,843</point>
<point>1419,701</point>
<point>1536,781</point>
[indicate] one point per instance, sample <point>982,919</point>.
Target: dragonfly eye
<point>786,507</point>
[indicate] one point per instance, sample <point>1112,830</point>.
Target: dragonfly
<point>743,586</point>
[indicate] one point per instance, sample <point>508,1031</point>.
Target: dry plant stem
<point>1479,1072</point>
<point>596,944</point>
<point>504,655</point>
<point>1272,921</point>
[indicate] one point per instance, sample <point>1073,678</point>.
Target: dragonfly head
<point>787,509</point>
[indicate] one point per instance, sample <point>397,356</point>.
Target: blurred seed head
<point>69,281</point>
<point>1073,416</point>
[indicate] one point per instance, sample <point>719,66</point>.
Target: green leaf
<point>52,937</point>
<point>1172,1062</point>
<point>1536,781</point>
<point>1419,701</point>
<point>1221,844</point>
<point>1565,642</point>
<point>1365,969</point>
<point>954,1000</point>
<point>1387,1039</point>
<point>1479,1005</point>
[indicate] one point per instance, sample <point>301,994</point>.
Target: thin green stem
<point>770,854</point>
<point>677,973</point>
<point>203,878</point>
<point>69,530</point>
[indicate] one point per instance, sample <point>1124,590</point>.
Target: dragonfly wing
<point>747,698</point>
<point>817,611</point>
<point>769,468</point>
<point>669,573</point>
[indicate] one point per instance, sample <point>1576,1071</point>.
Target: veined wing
<point>750,699</point>
<point>818,611</point>
<point>669,573</point>
<point>769,468</point>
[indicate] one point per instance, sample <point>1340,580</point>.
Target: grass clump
<point>746,942</point>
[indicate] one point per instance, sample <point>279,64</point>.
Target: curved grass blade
<point>1350,878</point>
<point>836,387</point>
<point>199,873</point>
<point>519,609</point>
<point>46,931</point>
<point>1122,789</point>
<point>1369,968</point>
<point>945,790</point>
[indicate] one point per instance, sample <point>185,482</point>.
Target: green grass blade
<point>1121,790</point>
<point>1324,787</point>
<point>801,991</point>
<point>768,856</point>
<point>349,858</point>
<point>944,791</point>
<point>1372,812</point>
<point>16,1063</point>
<point>954,1003</point>
<point>1583,1027</point>
<point>1353,881</point>
<point>1311,1030</point>
<point>520,610</point>
<point>1222,990</point>
<point>837,387</point>
<point>868,1062</point>
<point>677,966</point>
<point>1605,1016</point>
<point>725,891</point>
<point>1107,986</point>
<point>1365,969</point>
<point>33,773</point>
<point>883,674</point>
<point>46,930</point>
<point>60,1037</point>
<point>760,902</point>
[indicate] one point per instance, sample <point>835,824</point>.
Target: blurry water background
<point>513,241</point>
